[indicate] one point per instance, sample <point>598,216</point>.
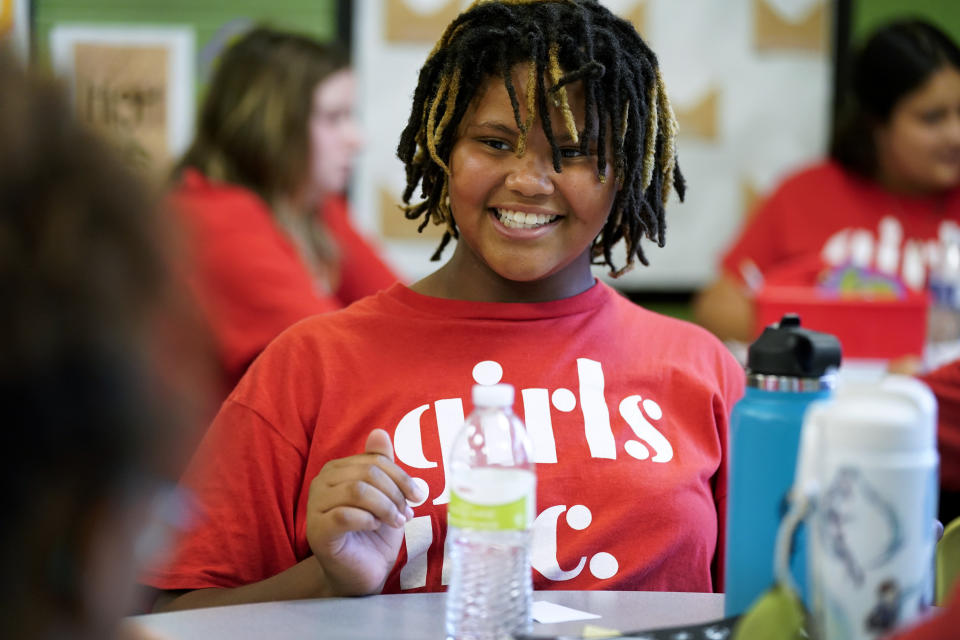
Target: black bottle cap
<point>787,349</point>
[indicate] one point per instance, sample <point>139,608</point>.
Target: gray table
<point>419,616</point>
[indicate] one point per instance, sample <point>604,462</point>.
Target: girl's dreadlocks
<point>565,41</point>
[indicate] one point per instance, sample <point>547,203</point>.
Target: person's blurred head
<point>278,118</point>
<point>335,136</point>
<point>87,427</point>
<point>900,124</point>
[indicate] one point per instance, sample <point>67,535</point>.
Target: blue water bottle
<point>788,367</point>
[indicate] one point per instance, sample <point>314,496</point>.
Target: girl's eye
<point>499,145</point>
<point>933,116</point>
<point>568,153</point>
<point>332,118</point>
<point>571,152</point>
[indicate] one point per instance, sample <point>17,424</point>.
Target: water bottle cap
<point>492,395</point>
<point>787,349</point>
<point>897,414</point>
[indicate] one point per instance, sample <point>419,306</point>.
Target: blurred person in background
<point>885,198</point>
<point>261,193</point>
<point>95,424</point>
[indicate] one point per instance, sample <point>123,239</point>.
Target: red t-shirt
<point>943,624</point>
<point>627,411</point>
<point>247,275</point>
<point>827,212</point>
<point>945,384</point>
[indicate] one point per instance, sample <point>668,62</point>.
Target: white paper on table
<point>548,612</point>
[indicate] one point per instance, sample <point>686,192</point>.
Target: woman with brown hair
<point>261,193</point>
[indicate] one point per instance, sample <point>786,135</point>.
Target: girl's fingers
<point>378,442</point>
<point>401,486</point>
<point>343,520</point>
<point>362,487</point>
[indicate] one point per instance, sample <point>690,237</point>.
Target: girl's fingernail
<point>419,491</point>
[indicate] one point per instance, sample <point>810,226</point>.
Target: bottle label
<point>510,516</point>
<point>492,499</point>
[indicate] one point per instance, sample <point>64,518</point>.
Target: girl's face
<point>523,226</point>
<point>335,136</point>
<point>918,148</point>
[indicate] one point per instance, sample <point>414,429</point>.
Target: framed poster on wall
<point>133,83</point>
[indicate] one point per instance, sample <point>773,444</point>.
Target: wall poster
<point>133,83</point>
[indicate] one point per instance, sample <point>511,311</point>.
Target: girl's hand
<point>356,511</point>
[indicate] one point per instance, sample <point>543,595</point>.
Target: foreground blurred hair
<point>91,415</point>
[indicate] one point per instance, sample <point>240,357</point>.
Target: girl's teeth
<point>522,220</point>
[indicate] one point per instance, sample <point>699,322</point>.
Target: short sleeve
<point>241,489</point>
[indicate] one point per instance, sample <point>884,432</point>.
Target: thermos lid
<point>786,349</point>
<point>897,414</point>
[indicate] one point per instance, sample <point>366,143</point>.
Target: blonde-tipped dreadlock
<point>561,42</point>
<point>670,135</point>
<point>650,136</point>
<point>531,108</point>
<point>560,96</point>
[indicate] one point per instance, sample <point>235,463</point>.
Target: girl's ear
<point>874,124</point>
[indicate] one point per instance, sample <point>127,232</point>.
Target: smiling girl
<point>540,136</point>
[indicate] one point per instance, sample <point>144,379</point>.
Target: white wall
<point>771,116</point>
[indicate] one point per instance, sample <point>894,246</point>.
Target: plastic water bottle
<point>489,518</point>
<point>788,367</point>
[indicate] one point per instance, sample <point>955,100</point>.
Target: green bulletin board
<point>868,14</point>
<point>213,20</point>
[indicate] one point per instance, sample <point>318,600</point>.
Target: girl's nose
<point>531,175</point>
<point>353,135</point>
